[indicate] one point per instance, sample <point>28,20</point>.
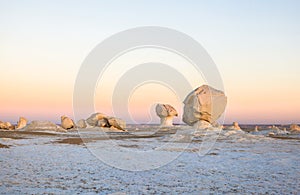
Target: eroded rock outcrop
<point>6,126</point>
<point>67,123</point>
<point>21,123</point>
<point>294,127</point>
<point>81,124</point>
<point>94,118</point>
<point>203,104</point>
<point>235,126</point>
<point>166,114</point>
<point>43,126</point>
<point>103,123</point>
<point>117,123</point>
<point>102,120</point>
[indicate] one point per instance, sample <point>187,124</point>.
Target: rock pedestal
<point>166,114</point>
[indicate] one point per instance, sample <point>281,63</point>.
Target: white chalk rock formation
<point>101,120</point>
<point>6,126</point>
<point>166,113</point>
<point>43,126</point>
<point>94,118</point>
<point>103,123</point>
<point>21,123</point>
<point>116,123</point>
<point>81,124</point>
<point>235,126</point>
<point>274,128</point>
<point>294,127</point>
<point>203,125</point>
<point>203,104</point>
<point>67,123</point>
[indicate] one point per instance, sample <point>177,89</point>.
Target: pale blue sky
<point>255,44</point>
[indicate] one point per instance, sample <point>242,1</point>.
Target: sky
<point>255,45</point>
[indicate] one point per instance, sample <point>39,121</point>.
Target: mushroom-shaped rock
<point>203,104</point>
<point>94,118</point>
<point>21,123</point>
<point>117,123</point>
<point>67,123</point>
<point>43,126</point>
<point>294,127</point>
<point>81,124</point>
<point>166,114</point>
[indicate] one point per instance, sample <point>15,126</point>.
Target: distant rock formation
<point>256,129</point>
<point>117,123</point>
<point>94,118</point>
<point>103,123</point>
<point>6,126</point>
<point>273,127</point>
<point>67,123</point>
<point>81,124</point>
<point>166,113</point>
<point>43,126</point>
<point>101,120</point>
<point>21,123</point>
<point>203,104</point>
<point>294,127</point>
<point>235,126</point>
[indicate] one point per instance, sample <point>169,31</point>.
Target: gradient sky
<point>255,44</point>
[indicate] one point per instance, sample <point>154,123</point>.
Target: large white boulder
<point>203,104</point>
<point>166,114</point>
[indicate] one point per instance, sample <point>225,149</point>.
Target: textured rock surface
<point>166,113</point>
<point>94,118</point>
<point>81,124</point>
<point>103,123</point>
<point>21,123</point>
<point>67,123</point>
<point>6,126</point>
<point>203,125</point>
<point>43,126</point>
<point>204,103</point>
<point>117,123</point>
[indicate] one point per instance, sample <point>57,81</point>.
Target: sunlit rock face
<point>166,114</point>
<point>203,104</point>
<point>6,126</point>
<point>295,128</point>
<point>67,123</point>
<point>21,123</point>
